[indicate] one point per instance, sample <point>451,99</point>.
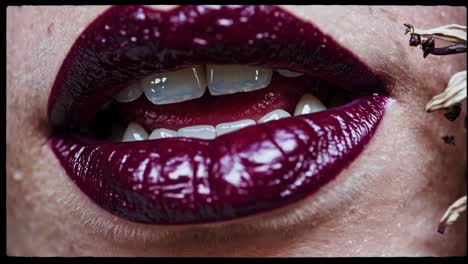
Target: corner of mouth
<point>186,180</point>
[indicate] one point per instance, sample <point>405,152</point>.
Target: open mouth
<point>208,113</point>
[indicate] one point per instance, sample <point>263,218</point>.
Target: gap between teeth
<point>192,82</point>
<point>307,104</point>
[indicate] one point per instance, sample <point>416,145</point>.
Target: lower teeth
<point>162,133</point>
<point>225,128</point>
<point>135,132</point>
<point>274,115</point>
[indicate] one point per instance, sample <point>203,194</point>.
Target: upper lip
<point>251,170</point>
<point>129,46</point>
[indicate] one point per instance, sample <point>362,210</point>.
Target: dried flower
<point>452,33</point>
<point>426,39</point>
<point>452,214</point>
<point>453,94</point>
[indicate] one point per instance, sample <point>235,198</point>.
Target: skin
<point>388,202</point>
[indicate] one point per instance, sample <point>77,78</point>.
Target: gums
<point>192,181</point>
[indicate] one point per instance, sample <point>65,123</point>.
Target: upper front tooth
<point>228,79</point>
<point>174,87</point>
<point>131,93</point>
<point>134,132</point>
<point>162,133</point>
<point>203,132</point>
<point>308,104</point>
<point>287,73</point>
<point>274,115</point>
<point>224,128</point>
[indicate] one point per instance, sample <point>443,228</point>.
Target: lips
<point>190,181</point>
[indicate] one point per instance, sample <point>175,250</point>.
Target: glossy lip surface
<point>190,181</point>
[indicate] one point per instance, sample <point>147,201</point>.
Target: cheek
<point>40,218</point>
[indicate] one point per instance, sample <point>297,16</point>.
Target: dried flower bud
<point>414,40</point>
<point>428,46</point>
<point>453,112</point>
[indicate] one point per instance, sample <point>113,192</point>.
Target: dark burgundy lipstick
<point>187,180</point>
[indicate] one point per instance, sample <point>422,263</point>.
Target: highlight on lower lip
<point>190,181</point>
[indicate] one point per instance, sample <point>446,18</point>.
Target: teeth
<point>190,83</point>
<point>287,73</point>
<point>308,104</point>
<point>131,93</point>
<point>134,132</point>
<point>174,87</point>
<point>274,115</point>
<point>224,128</point>
<point>228,79</point>
<point>203,132</point>
<point>162,133</point>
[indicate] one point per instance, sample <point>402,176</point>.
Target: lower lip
<point>192,181</point>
